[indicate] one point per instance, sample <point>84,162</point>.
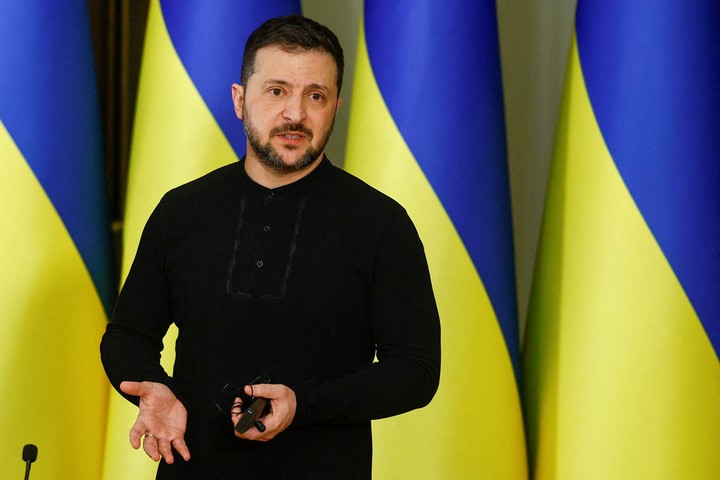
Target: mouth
<point>291,136</point>
<point>292,133</point>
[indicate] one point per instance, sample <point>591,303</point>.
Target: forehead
<point>301,67</point>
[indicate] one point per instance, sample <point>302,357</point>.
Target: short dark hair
<point>292,33</point>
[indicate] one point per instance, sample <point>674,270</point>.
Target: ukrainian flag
<point>427,128</point>
<point>56,280</point>
<point>622,370</point>
<point>185,126</point>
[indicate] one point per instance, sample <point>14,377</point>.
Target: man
<point>280,265</point>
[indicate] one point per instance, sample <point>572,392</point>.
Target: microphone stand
<point>29,455</point>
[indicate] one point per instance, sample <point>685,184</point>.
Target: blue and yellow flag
<point>622,370</point>
<point>427,128</point>
<point>55,246</point>
<point>185,126</point>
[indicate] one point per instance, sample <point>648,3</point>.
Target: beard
<point>271,158</point>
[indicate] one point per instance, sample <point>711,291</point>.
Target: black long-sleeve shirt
<point>321,284</point>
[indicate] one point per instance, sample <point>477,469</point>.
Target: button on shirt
<point>271,250</point>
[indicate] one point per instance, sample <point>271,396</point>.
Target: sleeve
<point>133,341</point>
<point>406,328</point>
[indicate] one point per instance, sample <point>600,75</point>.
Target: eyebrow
<point>312,86</point>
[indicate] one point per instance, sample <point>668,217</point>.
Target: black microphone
<point>29,456</point>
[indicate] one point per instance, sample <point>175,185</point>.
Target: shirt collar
<point>291,189</point>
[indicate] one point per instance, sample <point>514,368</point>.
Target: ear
<point>238,95</point>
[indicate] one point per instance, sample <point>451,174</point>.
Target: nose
<point>294,109</point>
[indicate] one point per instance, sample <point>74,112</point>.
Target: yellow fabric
<point>50,322</point>
<point>622,381</point>
<point>473,427</point>
<point>175,140</point>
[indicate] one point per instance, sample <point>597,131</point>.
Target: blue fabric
<point>49,105</point>
<point>209,37</point>
<point>438,68</point>
<point>652,71</point>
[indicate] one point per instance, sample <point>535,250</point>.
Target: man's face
<point>288,107</point>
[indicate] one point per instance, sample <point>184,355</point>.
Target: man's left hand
<point>282,411</point>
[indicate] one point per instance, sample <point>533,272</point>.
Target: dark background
<point>118,29</point>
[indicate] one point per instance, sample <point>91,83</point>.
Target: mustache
<point>292,127</point>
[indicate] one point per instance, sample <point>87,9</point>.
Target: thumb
<point>256,390</point>
<point>132,388</point>
<point>264,390</point>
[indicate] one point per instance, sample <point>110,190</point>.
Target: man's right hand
<point>161,422</point>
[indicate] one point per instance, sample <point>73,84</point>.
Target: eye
<point>316,97</point>
<point>275,92</point>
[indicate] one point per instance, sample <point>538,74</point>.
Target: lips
<point>292,132</point>
<point>291,136</point>
<point>291,140</point>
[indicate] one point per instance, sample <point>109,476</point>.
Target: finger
<point>250,390</point>
<point>136,433</point>
<point>265,390</point>
<point>135,438</point>
<point>165,450</point>
<point>236,407</point>
<point>252,434</point>
<point>150,445</point>
<point>236,411</point>
<point>181,448</point>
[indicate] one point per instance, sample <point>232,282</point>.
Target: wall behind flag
<point>534,41</point>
